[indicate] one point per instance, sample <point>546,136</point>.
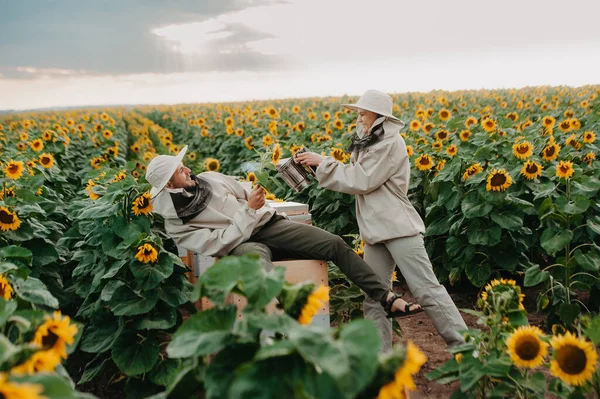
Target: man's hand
<point>308,158</point>
<point>256,200</point>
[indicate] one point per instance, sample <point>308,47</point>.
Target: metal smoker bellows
<point>295,175</point>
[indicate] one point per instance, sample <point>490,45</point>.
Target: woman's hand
<point>308,158</point>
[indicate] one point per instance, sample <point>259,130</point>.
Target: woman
<point>378,175</point>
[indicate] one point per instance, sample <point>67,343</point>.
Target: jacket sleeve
<point>233,186</point>
<point>376,167</point>
<point>215,242</point>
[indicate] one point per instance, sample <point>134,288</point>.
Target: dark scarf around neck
<point>192,201</point>
<point>358,144</point>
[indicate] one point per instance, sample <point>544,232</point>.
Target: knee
<point>257,248</point>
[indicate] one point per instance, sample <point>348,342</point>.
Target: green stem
<point>580,245</point>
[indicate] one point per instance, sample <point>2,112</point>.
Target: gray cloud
<point>114,37</point>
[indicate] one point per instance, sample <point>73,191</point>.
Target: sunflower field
<point>94,297</point>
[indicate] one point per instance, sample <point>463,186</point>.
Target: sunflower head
<point>531,170</point>
<point>399,367</point>
<point>551,151</point>
<point>55,334</point>
<point>501,296</point>
<point>276,156</point>
<point>526,348</point>
<point>574,359</point>
<point>565,169</point>
<point>47,160</point>
<point>14,169</point>
<point>472,170</point>
<point>211,164</point>
<point>146,253</point>
<point>142,205</point>
<point>523,150</point>
<point>9,221</point>
<point>424,162</point>
<point>6,289</point>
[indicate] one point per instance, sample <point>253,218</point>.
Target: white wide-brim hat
<point>161,169</point>
<point>375,101</point>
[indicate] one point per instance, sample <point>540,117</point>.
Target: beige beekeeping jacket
<point>379,176</point>
<point>226,222</point>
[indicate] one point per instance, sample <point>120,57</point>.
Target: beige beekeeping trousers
<point>411,257</point>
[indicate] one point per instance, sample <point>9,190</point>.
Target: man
<point>213,215</point>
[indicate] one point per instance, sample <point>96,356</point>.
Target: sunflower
<point>8,220</point>
<point>471,120</point>
<point>112,151</point>
<point>251,177</point>
<point>499,286</point>
<point>267,140</point>
<point>464,135</point>
<point>424,162</point>
<point>37,145</point>
<point>90,191</point>
<point>47,135</point>
<point>248,143</point>
<point>14,169</point>
<point>415,125</point>
<point>440,166</point>
<point>550,152</point>
<point>413,361</point>
<point>313,303</point>
<point>409,150</point>
<point>525,347</point>
<point>47,160</point>
<point>574,359</point>
<point>428,127</point>
<point>452,150</point>
<point>338,154</point>
<point>565,169</point>
<point>575,124</point>
<point>437,146</point>
<point>6,289</point>
<point>565,125</point>
<point>338,124</point>
<point>589,158</point>
<point>55,334</point>
<point>211,164</point>
<point>589,137</point>
<point>326,115</point>
<point>21,146</point>
<point>523,150</point>
<point>276,156</point>
<point>142,205</point>
<point>295,109</point>
<point>107,134</point>
<point>444,114</point>
<point>531,170</point>
<point>441,135</point>
<point>498,180</point>
<point>146,253</point>
<point>104,116</point>
<point>10,390</point>
<point>472,170</point>
<point>96,163</point>
<point>295,148</point>
<point>23,136</point>
<point>134,148</point>
<point>572,141</point>
<point>513,116</point>
<point>489,125</point>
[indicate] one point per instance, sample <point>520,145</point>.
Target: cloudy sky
<point>75,52</point>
